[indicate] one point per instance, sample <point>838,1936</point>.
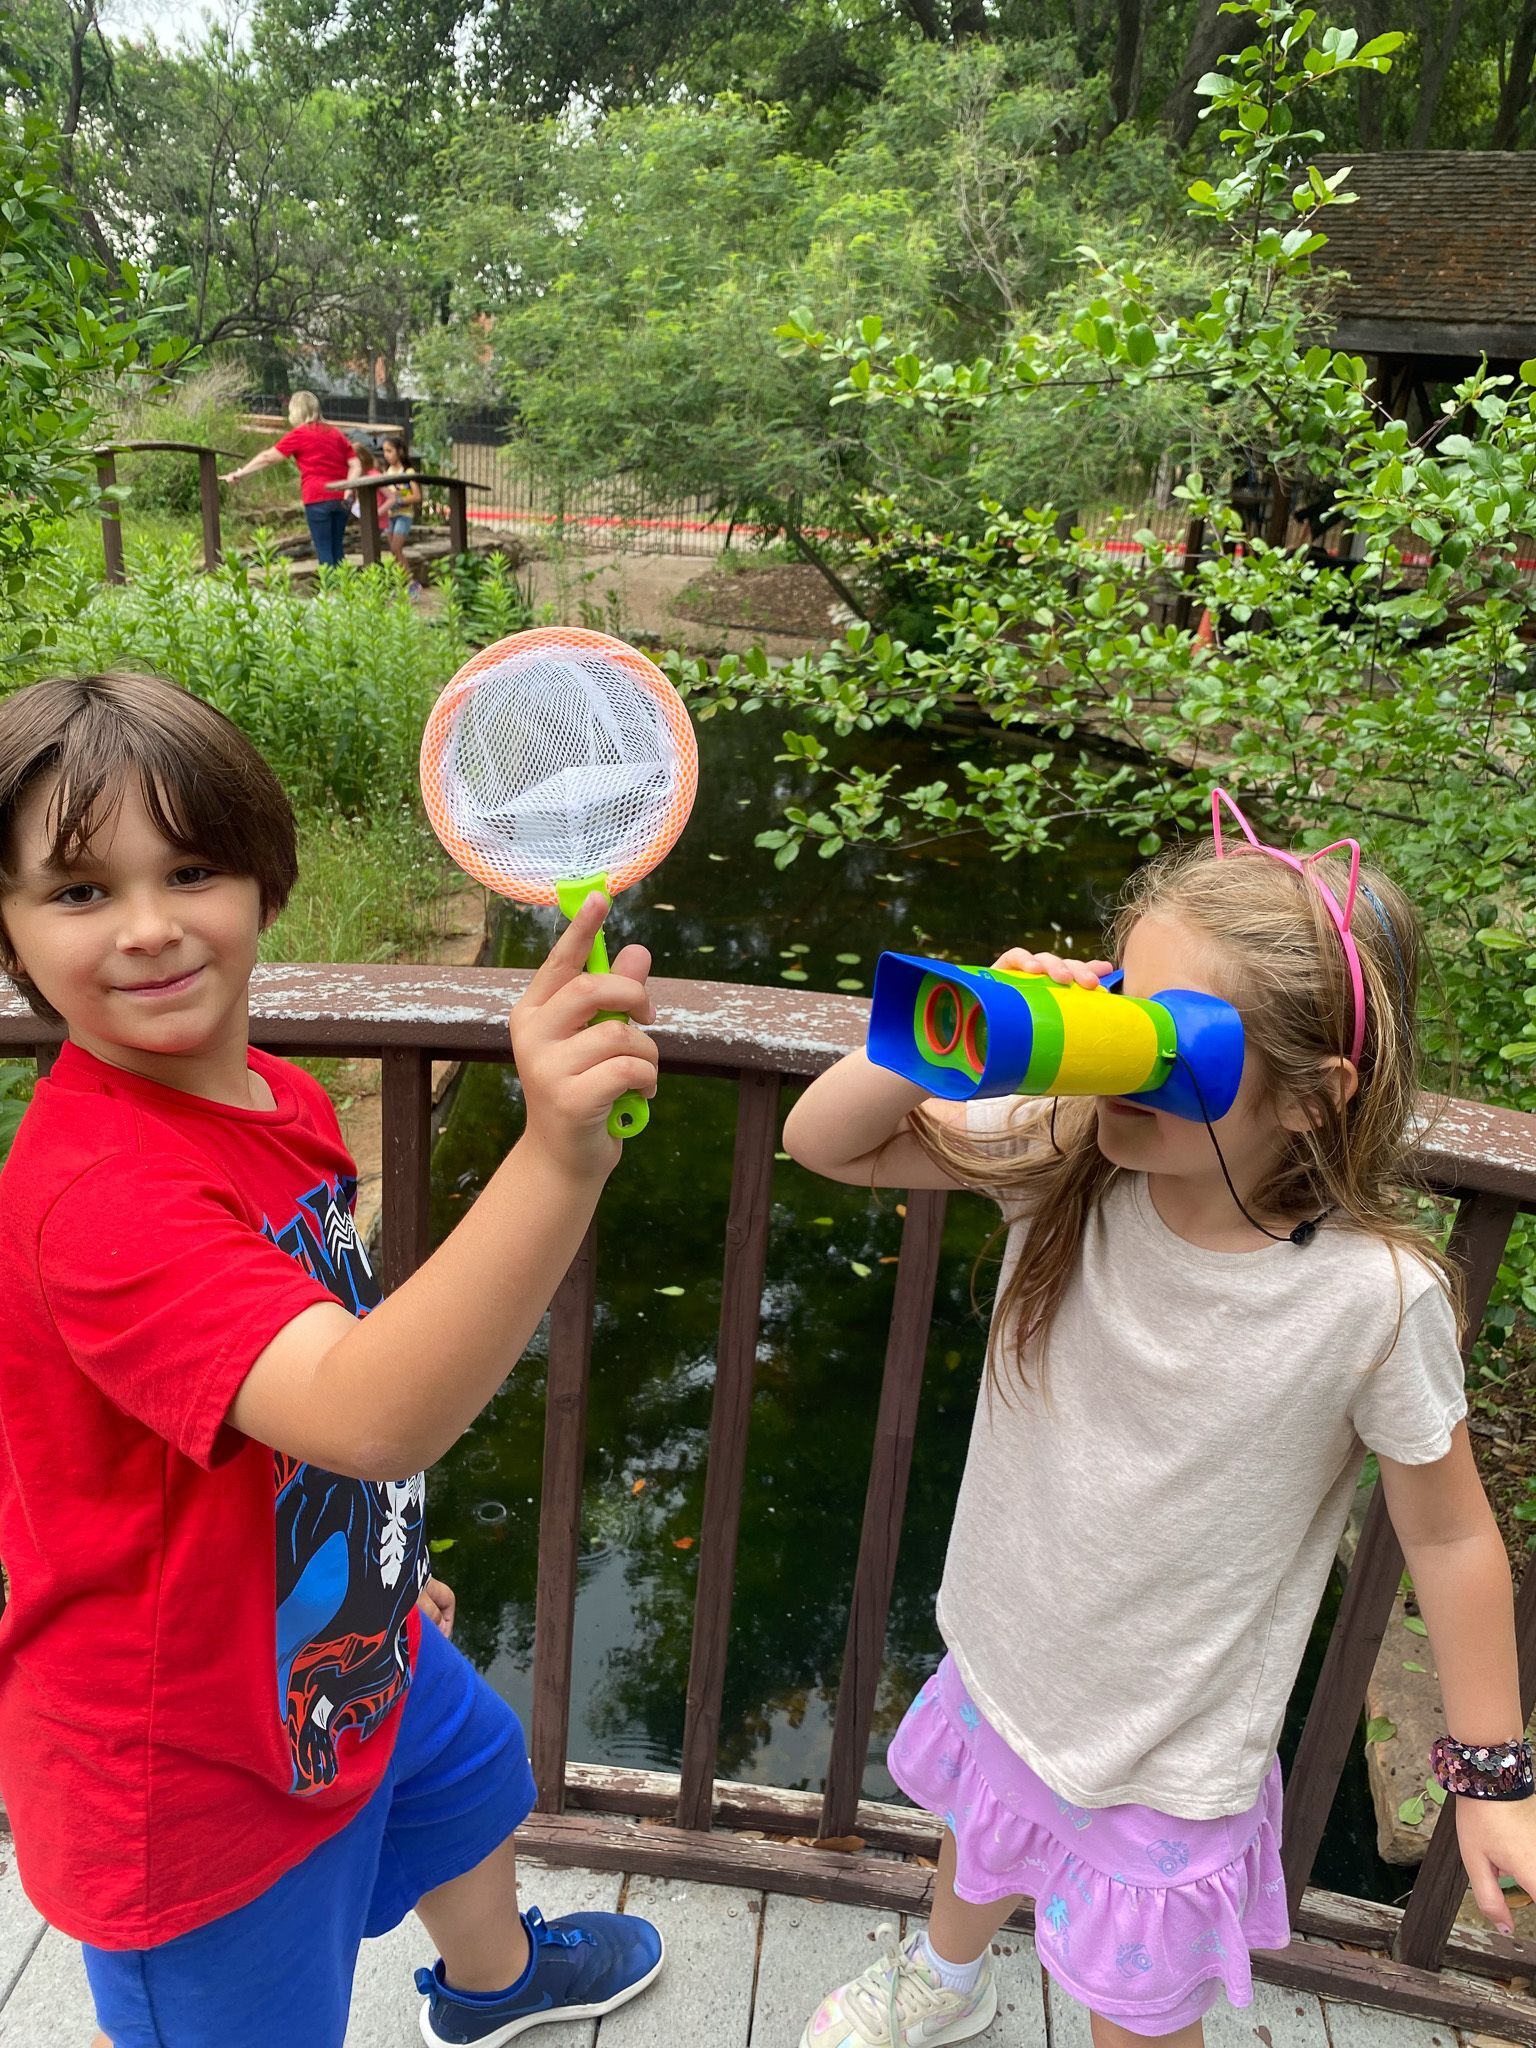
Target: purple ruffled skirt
<point>1142,1917</point>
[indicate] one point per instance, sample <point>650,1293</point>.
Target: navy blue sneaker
<point>578,1968</point>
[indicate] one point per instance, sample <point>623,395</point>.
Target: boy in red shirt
<point>228,1746</point>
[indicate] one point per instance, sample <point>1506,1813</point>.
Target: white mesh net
<point>558,762</point>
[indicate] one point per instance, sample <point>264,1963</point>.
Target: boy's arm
<point>379,1398</point>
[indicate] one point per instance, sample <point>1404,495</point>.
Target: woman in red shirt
<point>324,456</point>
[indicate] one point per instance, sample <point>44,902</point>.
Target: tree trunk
<point>969,18</point>
<point>925,15</point>
<point>1516,96</point>
<point>1370,20</point>
<point>1125,64</point>
<point>1214,35</point>
<point>1434,63</point>
<point>373,389</point>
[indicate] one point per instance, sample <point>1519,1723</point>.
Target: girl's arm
<point>853,1123</point>
<point>1460,1574</point>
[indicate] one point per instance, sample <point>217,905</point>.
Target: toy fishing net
<point>555,755</point>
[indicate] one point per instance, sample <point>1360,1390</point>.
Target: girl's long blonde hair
<point>1283,967</point>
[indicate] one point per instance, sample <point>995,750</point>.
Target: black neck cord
<point>1303,1233</point>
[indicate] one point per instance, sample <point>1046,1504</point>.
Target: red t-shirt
<point>322,453</point>
<point>206,1640</point>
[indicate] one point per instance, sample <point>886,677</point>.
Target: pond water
<point>718,911</point>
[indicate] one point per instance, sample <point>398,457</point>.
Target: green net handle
<point>631,1113</point>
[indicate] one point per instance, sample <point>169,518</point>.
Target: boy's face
<point>145,951</point>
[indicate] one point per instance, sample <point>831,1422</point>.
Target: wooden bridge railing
<point>207,493</point>
<point>757,1040</point>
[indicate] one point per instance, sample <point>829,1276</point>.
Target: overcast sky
<point>173,21</point>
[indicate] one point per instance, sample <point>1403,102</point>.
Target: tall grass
<point>206,409</point>
<point>370,888</point>
<point>333,689</point>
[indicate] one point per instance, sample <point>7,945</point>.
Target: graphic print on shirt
<point>351,1553</point>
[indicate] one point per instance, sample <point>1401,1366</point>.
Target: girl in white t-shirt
<point>1199,1331</point>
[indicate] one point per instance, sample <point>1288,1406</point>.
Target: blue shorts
<point>400,523</point>
<point>280,1969</point>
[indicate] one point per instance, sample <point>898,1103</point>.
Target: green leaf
<point>858,1267</point>
<point>1528,370</point>
<point>1141,346</point>
<point>1380,1729</point>
<point>848,959</point>
<point>1408,1666</point>
<point>671,1290</point>
<point>1411,1812</point>
<point>1495,938</point>
<point>438,1544</point>
<point>1435,1791</point>
<point>1414,1626</point>
<point>851,983</point>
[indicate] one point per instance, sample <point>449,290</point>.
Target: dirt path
<point>637,594</point>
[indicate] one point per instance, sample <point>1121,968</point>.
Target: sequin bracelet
<point>1498,1770</point>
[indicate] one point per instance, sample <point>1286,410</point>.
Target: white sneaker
<point>899,2003</point>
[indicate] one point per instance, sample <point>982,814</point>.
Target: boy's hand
<point>572,1074</point>
<point>1086,973</point>
<point>438,1605</point>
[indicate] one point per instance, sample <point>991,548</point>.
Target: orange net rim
<point>444,717</point>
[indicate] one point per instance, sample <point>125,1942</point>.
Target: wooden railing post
<point>1482,1229</point>
<point>111,519</point>
<point>458,518</point>
<point>208,495</point>
<point>746,1254</point>
<point>406,1191</point>
<point>885,1501</point>
<point>565,1456</point>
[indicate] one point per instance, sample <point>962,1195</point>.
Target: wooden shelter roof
<point>1440,252</point>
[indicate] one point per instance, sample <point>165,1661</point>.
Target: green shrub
<point>204,409</point>
<point>334,689</point>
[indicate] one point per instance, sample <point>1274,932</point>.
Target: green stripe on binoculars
<point>1167,1040</point>
<point>1049,1037</point>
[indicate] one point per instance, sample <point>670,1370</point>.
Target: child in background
<point>367,504</point>
<point>404,505</point>
<point>1198,1333</point>
<point>229,1749</point>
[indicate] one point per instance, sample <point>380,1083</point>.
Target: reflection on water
<point>718,911</point>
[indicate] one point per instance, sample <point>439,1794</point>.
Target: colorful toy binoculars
<point>964,1031</point>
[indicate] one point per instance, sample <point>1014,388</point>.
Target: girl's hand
<point>438,1605</point>
<point>571,1074</point>
<point>232,476</point>
<point>1497,1836</point>
<point>1086,973</point>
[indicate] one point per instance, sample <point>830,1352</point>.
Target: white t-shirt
<point>1138,1554</point>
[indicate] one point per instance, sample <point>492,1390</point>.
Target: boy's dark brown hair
<point>206,788</point>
